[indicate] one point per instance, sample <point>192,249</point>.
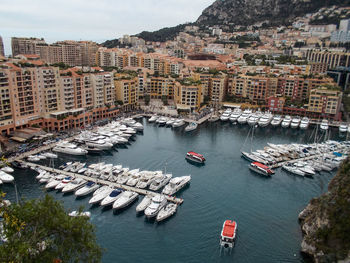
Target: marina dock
<point>173,199</point>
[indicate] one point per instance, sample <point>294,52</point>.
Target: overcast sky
<point>95,20</point>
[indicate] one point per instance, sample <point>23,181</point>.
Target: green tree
<point>40,230</point>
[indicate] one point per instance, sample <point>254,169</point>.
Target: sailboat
<point>249,155</point>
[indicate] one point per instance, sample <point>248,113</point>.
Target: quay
<point>173,199</point>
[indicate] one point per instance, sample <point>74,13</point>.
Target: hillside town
<point>302,69</point>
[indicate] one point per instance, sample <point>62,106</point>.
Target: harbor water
<point>265,209</point>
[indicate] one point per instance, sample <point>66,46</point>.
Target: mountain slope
<point>273,12</point>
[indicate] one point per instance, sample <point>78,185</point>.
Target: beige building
<point>6,118</point>
<point>188,95</point>
<point>126,91</point>
<point>2,50</point>
<point>22,45</point>
<point>325,100</point>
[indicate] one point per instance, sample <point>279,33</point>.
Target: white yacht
<point>126,198</point>
<point>170,122</point>
<point>343,127</point>
<point>54,182</point>
<point>50,155</point>
<point>254,118</point>
<point>162,120</point>
<point>100,194</point>
<point>69,148</point>
<point>137,126</point>
<point>7,169</point>
<point>111,198</point>
<point>99,143</point>
<point>225,116</point>
<point>76,213</point>
<point>295,122</point>
<point>146,201</point>
<point>304,124</point>
<point>153,118</point>
<point>176,184</point>
<point>265,119</point>
<point>286,121</point>
<point>179,123</point>
<point>133,179</point>
<point>277,119</point>
<point>74,185</point>
<point>64,182</point>
<point>160,181</point>
<point>87,189</point>
<point>235,114</point>
<point>145,179</point>
<point>324,125</point>
<point>157,203</point>
<point>244,117</point>
<point>190,127</point>
<point>166,211</point>
<point>6,178</point>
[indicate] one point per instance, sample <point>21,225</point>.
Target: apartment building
<point>158,87</point>
<point>188,95</point>
<point>333,59</point>
<point>325,102</point>
<point>126,91</point>
<point>217,88</point>
<point>2,50</point>
<point>22,45</point>
<point>6,114</point>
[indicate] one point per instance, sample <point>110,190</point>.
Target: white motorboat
<point>225,116</point>
<point>160,181</point>
<point>286,121</point>
<point>145,179</point>
<point>100,194</point>
<point>153,118</point>
<point>157,203</point>
<point>228,234</point>
<point>237,112</point>
<point>166,212</point>
<point>304,124</point>
<point>175,184</point>
<point>69,148</point>
<point>7,169</point>
<point>74,185</point>
<point>87,189</point>
<point>343,127</point>
<point>77,213</point>
<point>179,123</point>
<point>146,201</point>
<point>6,178</point>
<point>33,158</point>
<point>295,122</point>
<point>126,198</point>
<point>244,117</point>
<point>134,177</point>
<point>190,127</point>
<point>137,126</point>
<point>162,120</point>
<point>293,170</point>
<point>111,198</point>
<point>50,155</point>
<point>99,143</point>
<point>46,178</point>
<point>54,182</point>
<point>324,125</point>
<point>276,120</point>
<point>170,122</point>
<point>265,119</point>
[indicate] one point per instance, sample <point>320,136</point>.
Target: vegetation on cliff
<point>326,220</point>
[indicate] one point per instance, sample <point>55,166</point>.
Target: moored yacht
<point>228,234</point>
<point>100,194</point>
<point>153,118</point>
<point>286,121</point>
<point>146,201</point>
<point>190,127</point>
<point>87,189</point>
<point>343,127</point>
<point>295,122</point>
<point>304,124</point>
<point>225,116</point>
<point>166,211</point>
<point>261,169</point>
<point>237,112</point>
<point>125,199</point>
<point>111,198</point>
<point>157,203</point>
<point>276,120</point>
<point>74,185</point>
<point>176,184</point>
<point>324,125</point>
<point>160,181</point>
<point>244,117</point>
<point>99,143</point>
<point>254,118</point>
<point>265,119</point>
<point>69,148</point>
<point>178,123</point>
<point>6,178</point>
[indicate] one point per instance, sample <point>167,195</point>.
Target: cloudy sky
<point>95,20</point>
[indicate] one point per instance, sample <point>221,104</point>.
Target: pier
<point>173,199</point>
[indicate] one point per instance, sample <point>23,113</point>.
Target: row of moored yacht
<point>172,122</point>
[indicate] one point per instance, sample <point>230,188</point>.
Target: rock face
<point>272,12</point>
<point>325,222</point>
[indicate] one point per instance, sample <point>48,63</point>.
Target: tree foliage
<point>40,230</point>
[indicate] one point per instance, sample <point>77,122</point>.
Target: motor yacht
<point>157,203</point>
<point>69,148</point>
<point>64,182</point>
<point>50,155</point>
<point>225,116</point>
<point>324,125</point>
<point>304,124</point>
<point>100,194</point>
<point>111,198</point>
<point>244,117</point>
<point>228,234</point>
<point>195,157</point>
<point>33,158</point>
<point>54,182</point>
<point>261,169</point>
<point>265,119</point>
<point>167,211</point>
<point>276,120</point>
<point>190,127</point>
<point>99,143</point>
<point>175,184</point>
<point>159,181</point>
<point>87,189</point>
<point>46,178</point>
<point>237,112</point>
<point>153,118</point>
<point>253,118</point>
<point>292,169</point>
<point>145,179</point>
<point>343,127</point>
<point>286,121</point>
<point>137,126</point>
<point>162,121</point>
<point>6,178</point>
<point>146,201</point>
<point>126,198</point>
<point>74,185</point>
<point>295,122</point>
<point>77,213</point>
<point>170,122</point>
<point>179,123</point>
<point>7,169</point>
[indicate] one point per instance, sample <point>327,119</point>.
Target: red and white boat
<point>195,157</point>
<point>261,169</point>
<point>228,234</point>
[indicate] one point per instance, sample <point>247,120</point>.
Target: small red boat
<point>261,169</point>
<point>228,234</point>
<point>195,157</point>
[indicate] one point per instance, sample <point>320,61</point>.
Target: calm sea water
<point>266,209</point>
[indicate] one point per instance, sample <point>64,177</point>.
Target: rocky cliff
<point>271,12</point>
<point>325,222</point>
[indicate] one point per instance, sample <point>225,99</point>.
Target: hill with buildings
<point>325,222</point>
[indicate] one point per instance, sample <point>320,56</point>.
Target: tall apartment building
<point>333,59</point>
<point>188,95</point>
<point>22,45</point>
<point>157,87</point>
<point>6,117</point>
<point>325,102</point>
<point>2,50</point>
<point>217,88</point>
<point>126,91</point>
